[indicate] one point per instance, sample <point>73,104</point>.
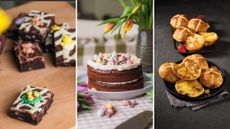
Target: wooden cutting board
<point>60,80</point>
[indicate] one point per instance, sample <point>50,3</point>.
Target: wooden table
<point>61,80</point>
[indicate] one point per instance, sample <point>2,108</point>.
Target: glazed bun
<point>198,25</point>
<point>182,33</point>
<point>199,60</point>
<point>209,37</point>
<point>194,42</point>
<point>166,72</point>
<point>179,20</point>
<point>190,88</point>
<point>211,78</point>
<point>187,70</point>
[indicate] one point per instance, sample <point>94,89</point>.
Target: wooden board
<point>60,80</point>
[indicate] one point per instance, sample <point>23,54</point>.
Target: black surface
<point>215,116</point>
<point>170,87</point>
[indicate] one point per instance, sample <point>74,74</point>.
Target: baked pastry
<point>198,25</point>
<point>115,72</point>
<point>190,88</point>
<point>199,60</point>
<point>32,104</point>
<point>179,20</point>
<point>182,33</point>
<point>187,70</point>
<point>209,37</point>
<point>166,72</point>
<point>28,56</point>
<point>211,78</point>
<point>64,41</point>
<point>194,42</point>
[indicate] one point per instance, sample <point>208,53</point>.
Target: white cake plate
<point>106,95</point>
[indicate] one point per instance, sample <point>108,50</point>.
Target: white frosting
<point>37,106</point>
<point>67,48</point>
<point>109,66</point>
<point>119,83</point>
<point>27,24</point>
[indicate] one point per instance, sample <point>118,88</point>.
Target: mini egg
<point>101,112</point>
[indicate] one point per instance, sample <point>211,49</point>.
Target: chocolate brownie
<point>2,43</point>
<point>115,72</point>
<point>36,26</point>
<point>49,47</point>
<point>28,56</point>
<point>32,104</point>
<point>65,46</point>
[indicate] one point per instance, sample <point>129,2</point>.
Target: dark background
<point>217,12</point>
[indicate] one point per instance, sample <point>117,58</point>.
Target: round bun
<point>209,37</point>
<point>166,72</point>
<point>198,25</point>
<point>182,33</point>
<point>194,42</point>
<point>199,60</point>
<point>211,78</point>
<point>187,70</point>
<point>190,88</point>
<point>179,20</point>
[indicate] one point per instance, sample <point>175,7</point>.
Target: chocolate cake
<point>32,104</point>
<point>115,72</point>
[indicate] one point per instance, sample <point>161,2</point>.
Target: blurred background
<point>98,9</point>
<point>91,39</point>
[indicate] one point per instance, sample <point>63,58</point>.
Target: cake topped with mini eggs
<point>114,61</point>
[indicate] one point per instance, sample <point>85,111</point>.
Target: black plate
<point>204,50</point>
<point>170,87</point>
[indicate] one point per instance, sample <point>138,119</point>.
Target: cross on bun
<point>182,33</point>
<point>166,72</point>
<point>194,42</point>
<point>198,25</point>
<point>211,78</point>
<point>179,20</point>
<point>199,60</point>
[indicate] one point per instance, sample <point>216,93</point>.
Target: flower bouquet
<point>84,99</point>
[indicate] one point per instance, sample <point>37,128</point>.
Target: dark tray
<point>170,87</point>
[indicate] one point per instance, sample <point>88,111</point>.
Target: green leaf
<point>80,81</point>
<point>85,107</point>
<point>119,24</point>
<point>127,10</point>
<point>134,2</point>
<point>113,20</point>
<point>123,3</point>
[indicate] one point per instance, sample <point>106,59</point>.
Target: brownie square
<point>32,104</point>
<point>35,27</point>
<point>2,43</point>
<point>49,47</point>
<point>28,56</point>
<point>65,46</point>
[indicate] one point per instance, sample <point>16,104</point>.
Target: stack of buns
<point>193,76</point>
<point>192,33</point>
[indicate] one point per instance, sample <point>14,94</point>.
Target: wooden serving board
<point>60,80</point>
